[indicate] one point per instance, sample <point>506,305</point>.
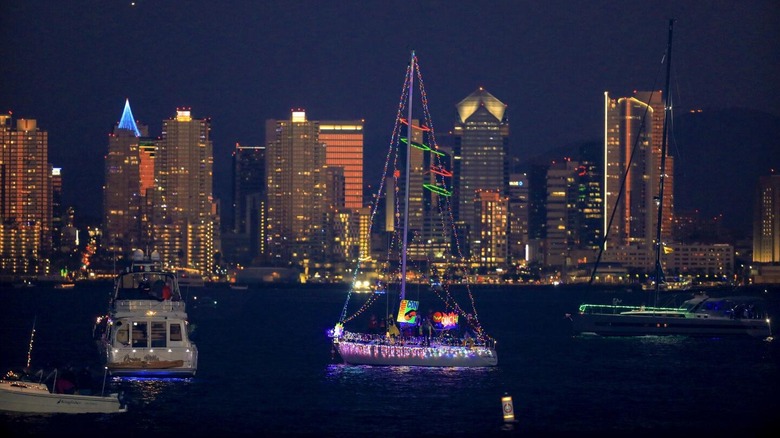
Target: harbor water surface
<point>266,367</point>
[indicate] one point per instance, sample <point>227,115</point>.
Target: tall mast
<point>667,116</point>
<point>406,177</point>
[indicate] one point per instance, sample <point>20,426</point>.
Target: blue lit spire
<point>127,121</point>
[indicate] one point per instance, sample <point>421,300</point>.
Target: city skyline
<point>244,64</point>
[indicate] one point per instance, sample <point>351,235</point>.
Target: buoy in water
<point>508,409</point>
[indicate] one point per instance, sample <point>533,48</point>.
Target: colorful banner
<point>445,320</point>
<point>407,312</point>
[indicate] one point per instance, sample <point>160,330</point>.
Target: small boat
<point>64,285</point>
<point>237,286</point>
<point>19,393</point>
<point>189,278</point>
<point>30,397</point>
<point>146,332</point>
<point>432,339</point>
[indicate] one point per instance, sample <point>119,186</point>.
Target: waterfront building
<point>766,220</point>
<point>25,197</point>
<point>297,192</point>
<point>185,217</point>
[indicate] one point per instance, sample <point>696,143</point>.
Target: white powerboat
<point>146,332</point>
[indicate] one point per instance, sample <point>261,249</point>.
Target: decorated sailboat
<point>737,315</point>
<point>414,188</point>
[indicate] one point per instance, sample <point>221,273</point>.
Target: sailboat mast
<point>667,117</point>
<point>406,177</point>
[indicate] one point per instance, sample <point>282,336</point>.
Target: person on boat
<point>392,329</point>
<point>65,383</point>
<point>373,325</point>
<point>84,381</point>
<point>166,292</point>
<point>427,331</point>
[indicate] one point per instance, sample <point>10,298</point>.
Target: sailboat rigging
<point>410,338</point>
<point>699,316</point>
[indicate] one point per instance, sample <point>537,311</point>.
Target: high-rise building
<point>344,148</point>
<point>590,203</point>
<point>186,223</point>
<point>480,153</point>
<point>248,180</point>
<point>247,237</point>
<point>124,190</point>
<point>25,197</point>
<point>491,243</point>
<point>766,220</point>
<point>518,218</point>
<point>633,134</point>
<point>57,211</point>
<point>296,178</point>
<point>562,215</point>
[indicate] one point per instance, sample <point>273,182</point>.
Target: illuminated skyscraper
<point>491,242</point>
<point>344,148</point>
<point>25,197</point>
<point>124,190</point>
<point>766,220</point>
<point>295,172</point>
<point>480,152</point>
<point>185,218</point>
<point>633,134</point>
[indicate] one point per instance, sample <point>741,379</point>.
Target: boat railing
<point>167,306</point>
<point>415,341</point>
<point>618,308</point>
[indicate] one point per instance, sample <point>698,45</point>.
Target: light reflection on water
<point>436,393</point>
<point>147,390</point>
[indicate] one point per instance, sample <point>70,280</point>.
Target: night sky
<point>72,64</point>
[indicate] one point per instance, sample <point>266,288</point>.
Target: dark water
<point>266,368</point>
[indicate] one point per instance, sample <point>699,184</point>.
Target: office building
<point>480,154</point>
<point>344,148</point>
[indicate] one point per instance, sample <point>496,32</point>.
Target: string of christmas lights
<point>32,339</point>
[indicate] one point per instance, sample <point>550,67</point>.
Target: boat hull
<point>170,368</point>
<point>649,325</point>
<point>36,398</point>
<point>124,362</point>
<point>360,353</point>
